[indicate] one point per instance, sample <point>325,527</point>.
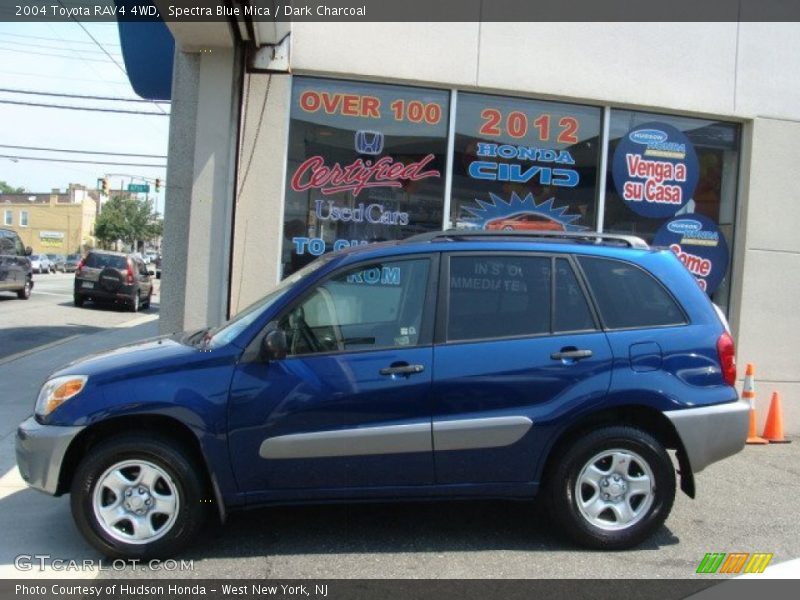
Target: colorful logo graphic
<point>519,214</point>
<point>734,562</point>
<point>655,170</point>
<point>700,246</point>
<point>368,142</point>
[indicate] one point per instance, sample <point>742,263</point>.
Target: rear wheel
<point>138,497</point>
<point>78,300</point>
<point>146,303</point>
<point>136,302</point>
<point>25,292</point>
<point>612,489</point>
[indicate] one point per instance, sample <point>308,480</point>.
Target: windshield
<point>227,332</point>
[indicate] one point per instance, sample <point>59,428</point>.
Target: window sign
<point>697,242</point>
<point>366,164</point>
<point>524,165</point>
<point>685,170</point>
<point>655,170</point>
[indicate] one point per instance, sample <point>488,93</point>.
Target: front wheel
<point>612,488</point>
<point>136,497</point>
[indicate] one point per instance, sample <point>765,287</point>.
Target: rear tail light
<point>727,358</point>
<point>130,272</point>
<point>80,266</point>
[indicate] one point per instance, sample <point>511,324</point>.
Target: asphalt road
<point>49,316</point>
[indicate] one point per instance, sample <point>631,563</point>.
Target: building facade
<point>291,141</point>
<point>55,223</point>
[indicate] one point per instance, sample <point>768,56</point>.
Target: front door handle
<point>402,369</point>
<point>571,353</point>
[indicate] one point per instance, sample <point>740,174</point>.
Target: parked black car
<point>71,263</point>
<point>113,276</point>
<point>16,274</point>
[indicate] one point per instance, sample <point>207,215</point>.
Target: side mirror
<point>28,251</point>
<point>273,346</point>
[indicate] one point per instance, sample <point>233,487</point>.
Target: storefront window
<point>366,164</point>
<point>672,181</point>
<point>524,164</point>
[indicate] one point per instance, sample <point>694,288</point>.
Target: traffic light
<point>158,185</point>
<point>105,186</point>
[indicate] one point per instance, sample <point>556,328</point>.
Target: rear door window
<point>497,296</point>
<point>629,297</point>
<point>571,311</point>
<point>7,244</point>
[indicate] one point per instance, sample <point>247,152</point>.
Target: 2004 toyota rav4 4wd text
<point>457,364</point>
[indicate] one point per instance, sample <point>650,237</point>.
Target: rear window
<point>101,261</point>
<point>628,297</point>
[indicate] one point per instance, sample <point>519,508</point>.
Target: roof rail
<point>586,236</point>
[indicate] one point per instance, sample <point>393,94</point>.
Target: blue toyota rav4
<point>448,365</point>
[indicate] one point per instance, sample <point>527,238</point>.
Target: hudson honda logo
<point>369,142</point>
<point>648,136</point>
<point>684,226</point>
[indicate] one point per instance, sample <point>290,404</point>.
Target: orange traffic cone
<point>749,393</point>
<point>773,430</point>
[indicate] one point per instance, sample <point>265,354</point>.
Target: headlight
<point>58,390</point>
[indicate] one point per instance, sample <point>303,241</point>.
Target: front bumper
<point>711,433</point>
<point>40,453</point>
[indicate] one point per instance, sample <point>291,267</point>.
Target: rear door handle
<point>571,354</point>
<point>402,369</point>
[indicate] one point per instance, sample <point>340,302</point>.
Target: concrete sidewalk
<point>31,522</point>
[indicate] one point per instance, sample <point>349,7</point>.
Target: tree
<point>126,219</point>
<point>7,189</point>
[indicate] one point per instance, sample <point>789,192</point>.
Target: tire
<point>172,482</point>
<point>25,292</point>
<point>146,303</point>
<point>624,459</point>
<point>136,302</point>
<point>78,300</point>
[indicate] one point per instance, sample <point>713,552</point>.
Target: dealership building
<point>289,140</point>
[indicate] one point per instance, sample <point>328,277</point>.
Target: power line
<point>40,76</point>
<point>72,151</point>
<point>81,97</point>
<point>50,54</point>
<point>86,162</point>
<point>86,108</point>
<point>48,46</point>
<point>49,39</point>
